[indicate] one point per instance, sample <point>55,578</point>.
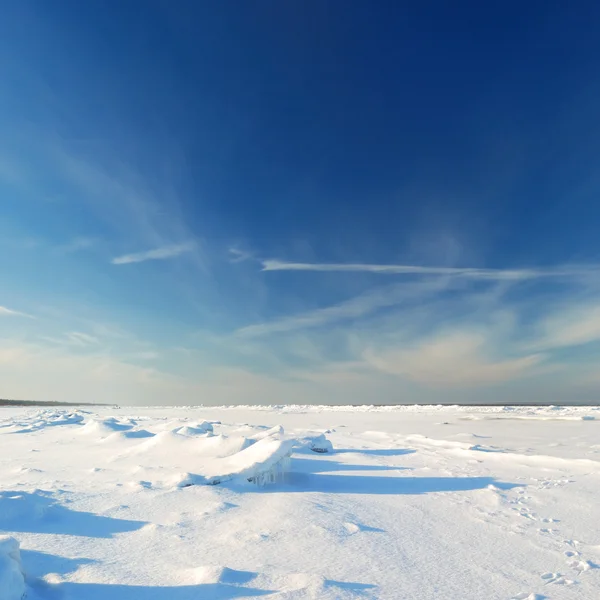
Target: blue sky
<point>320,201</point>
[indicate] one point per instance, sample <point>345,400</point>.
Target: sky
<point>310,201</point>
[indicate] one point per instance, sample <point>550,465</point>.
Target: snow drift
<point>12,582</point>
<point>262,462</point>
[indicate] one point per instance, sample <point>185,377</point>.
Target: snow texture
<point>415,503</point>
<point>12,582</point>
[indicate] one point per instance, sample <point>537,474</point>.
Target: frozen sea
<point>398,503</point>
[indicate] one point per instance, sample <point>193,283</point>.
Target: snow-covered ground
<point>412,503</point>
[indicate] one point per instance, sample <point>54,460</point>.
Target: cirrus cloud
<point>161,253</point>
<point>7,312</point>
<point>466,272</point>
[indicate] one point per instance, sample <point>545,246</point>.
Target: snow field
<point>302,502</point>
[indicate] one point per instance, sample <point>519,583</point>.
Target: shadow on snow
<point>366,484</point>
<point>39,512</point>
<point>333,477</point>
<point>101,591</point>
<point>375,452</point>
<point>37,564</point>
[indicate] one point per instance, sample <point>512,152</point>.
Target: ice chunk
<point>262,462</point>
<point>316,443</point>
<point>321,444</point>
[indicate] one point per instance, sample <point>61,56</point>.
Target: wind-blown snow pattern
<point>293,502</point>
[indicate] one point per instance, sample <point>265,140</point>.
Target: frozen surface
<point>12,582</point>
<point>401,503</point>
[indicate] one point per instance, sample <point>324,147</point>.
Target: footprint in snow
<point>353,528</point>
<point>141,485</point>
<point>556,579</point>
<point>524,512</point>
<point>580,565</point>
<point>528,596</point>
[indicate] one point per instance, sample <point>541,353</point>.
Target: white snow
<point>12,582</point>
<point>398,503</point>
<point>320,443</point>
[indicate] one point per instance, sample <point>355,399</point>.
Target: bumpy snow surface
<point>400,503</point>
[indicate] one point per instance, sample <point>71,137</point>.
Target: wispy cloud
<point>77,244</point>
<point>73,338</point>
<point>572,326</point>
<point>453,358</point>
<point>115,189</point>
<point>465,272</point>
<point>77,337</point>
<point>7,312</point>
<point>356,307</point>
<point>161,253</point>
<point>236,255</point>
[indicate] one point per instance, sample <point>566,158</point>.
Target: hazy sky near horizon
<point>310,201</point>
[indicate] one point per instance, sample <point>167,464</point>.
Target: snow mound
<point>134,434</point>
<point>48,418</point>
<point>12,582</point>
<point>276,431</point>
<point>317,443</point>
<point>221,446</point>
<point>217,574</point>
<point>106,427</point>
<point>311,585</point>
<point>177,445</point>
<point>17,507</point>
<point>261,463</point>
<point>193,429</point>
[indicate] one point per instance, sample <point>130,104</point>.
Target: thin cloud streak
<point>7,312</point>
<point>77,244</point>
<point>354,308</point>
<point>237,255</point>
<point>156,254</point>
<point>467,272</point>
<point>82,339</point>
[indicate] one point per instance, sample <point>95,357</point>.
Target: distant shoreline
<point>41,403</point>
<point>46,403</point>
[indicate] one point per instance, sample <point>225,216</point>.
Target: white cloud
<point>459,358</point>
<point>161,253</point>
<point>471,273</point>
<point>237,255</point>
<point>573,326</point>
<point>7,312</point>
